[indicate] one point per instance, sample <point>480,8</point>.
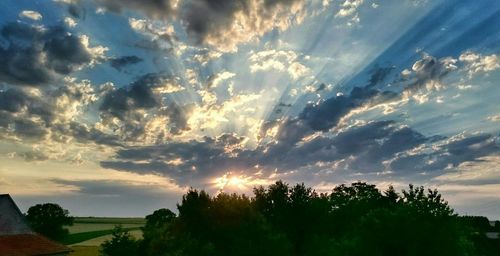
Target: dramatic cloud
<point>36,55</point>
<point>135,110</point>
<point>428,72</point>
<point>193,161</point>
<point>226,23</point>
<point>160,9</point>
<point>477,63</point>
<point>283,61</point>
<point>199,160</point>
<point>215,79</point>
<point>450,154</point>
<point>119,63</point>
<point>349,10</point>
<point>328,113</point>
<point>50,116</point>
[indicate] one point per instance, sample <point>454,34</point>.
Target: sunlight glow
<point>234,182</point>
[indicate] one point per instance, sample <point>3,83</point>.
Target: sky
<point>117,107</point>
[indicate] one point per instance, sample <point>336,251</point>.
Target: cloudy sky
<point>116,107</point>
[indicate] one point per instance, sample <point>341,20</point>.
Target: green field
<point>106,220</point>
<point>85,251</point>
<point>88,233</point>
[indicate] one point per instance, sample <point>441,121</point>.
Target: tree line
<point>355,219</point>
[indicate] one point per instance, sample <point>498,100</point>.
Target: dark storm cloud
<point>178,117</point>
<point>29,129</point>
<point>139,95</point>
<point>371,148</point>
<point>145,94</point>
<point>327,114</point>
<point>84,134</point>
<point>378,75</point>
<point>19,109</point>
<point>34,56</point>
<point>76,11</point>
<point>212,21</point>
<point>199,159</point>
<point>365,148</point>
<point>119,63</point>
<point>65,52</point>
<point>153,8</point>
<point>15,101</point>
<point>215,25</point>
<point>217,15</point>
<point>321,87</point>
<point>429,69</point>
<point>6,119</point>
<point>450,154</point>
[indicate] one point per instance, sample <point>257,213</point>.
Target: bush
<point>121,244</point>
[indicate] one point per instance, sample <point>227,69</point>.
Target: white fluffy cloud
<point>278,60</point>
<point>34,15</point>
<point>349,10</point>
<point>477,63</point>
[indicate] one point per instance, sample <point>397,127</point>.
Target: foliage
<point>121,244</point>
<point>355,219</point>
<point>48,219</point>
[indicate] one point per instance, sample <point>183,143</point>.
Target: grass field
<point>85,251</point>
<point>107,220</point>
<point>89,227</point>
<point>97,241</point>
<point>88,233</point>
<point>84,236</point>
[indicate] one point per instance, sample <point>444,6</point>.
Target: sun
<point>231,181</point>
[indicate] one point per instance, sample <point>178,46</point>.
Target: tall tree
<point>49,220</point>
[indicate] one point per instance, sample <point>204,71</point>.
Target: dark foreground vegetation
<point>355,219</point>
<point>283,220</point>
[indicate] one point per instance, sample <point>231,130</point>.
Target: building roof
<point>11,218</point>
<point>29,245</point>
<point>17,238</point>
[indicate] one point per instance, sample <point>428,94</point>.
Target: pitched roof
<point>17,238</point>
<point>11,219</point>
<point>29,245</point>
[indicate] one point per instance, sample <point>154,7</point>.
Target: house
<point>17,238</point>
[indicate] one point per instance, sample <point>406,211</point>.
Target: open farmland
<point>95,224</point>
<point>87,233</point>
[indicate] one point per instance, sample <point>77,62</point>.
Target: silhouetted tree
<point>355,219</point>
<point>156,231</point>
<point>121,244</point>
<point>49,220</point>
